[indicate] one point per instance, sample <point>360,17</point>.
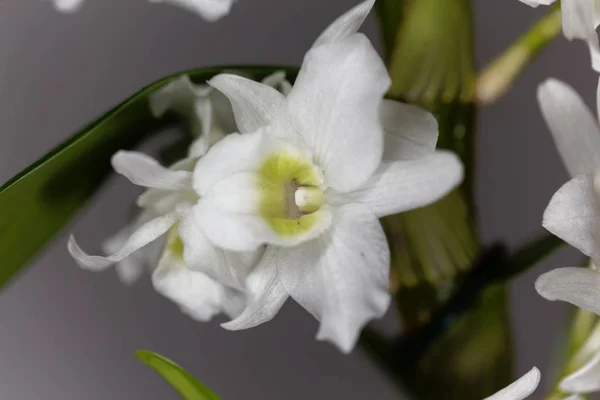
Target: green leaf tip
<point>47,194</point>
<point>182,381</point>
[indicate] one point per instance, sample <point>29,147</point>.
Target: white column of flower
<point>306,177</point>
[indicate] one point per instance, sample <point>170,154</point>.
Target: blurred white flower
<point>166,219</point>
<point>210,10</point>
<point>306,176</point>
<point>573,213</point>
<point>521,388</point>
<point>580,18</point>
<point>67,6</point>
<point>157,239</point>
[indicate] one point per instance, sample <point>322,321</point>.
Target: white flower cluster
<point>281,193</point>
<point>573,213</point>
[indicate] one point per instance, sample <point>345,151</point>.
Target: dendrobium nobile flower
<point>289,206</point>
<point>308,177</point>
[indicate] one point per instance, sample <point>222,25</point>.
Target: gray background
<point>70,334</point>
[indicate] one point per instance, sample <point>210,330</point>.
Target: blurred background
<point>70,334</point>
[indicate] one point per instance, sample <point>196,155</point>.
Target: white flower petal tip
<point>68,6</point>
<point>405,185</point>
<point>585,380</point>
<point>521,388</point>
<point>347,24</point>
<point>265,294</point>
<point>210,10</point>
<point>84,260</point>
<point>535,3</point>
<point>145,234</point>
<point>578,286</point>
<point>144,171</point>
<point>574,128</point>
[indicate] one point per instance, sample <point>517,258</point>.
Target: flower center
<point>291,189</point>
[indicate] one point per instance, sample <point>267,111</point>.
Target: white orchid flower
<point>306,177</point>
<point>166,207</point>
<point>573,213</point>
<point>521,388</point>
<point>143,245</point>
<point>210,10</point>
<point>580,18</point>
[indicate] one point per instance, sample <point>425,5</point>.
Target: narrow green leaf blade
<point>182,381</point>
<point>40,200</point>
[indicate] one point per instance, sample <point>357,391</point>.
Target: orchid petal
<point>535,3</point>
<point>585,380</point>
<point>145,234</point>
<point>575,285</point>
<point>519,389</point>
<point>201,255</point>
<point>573,215</point>
<point>265,293</point>
<point>210,10</point>
<point>255,105</point>
<point>277,80</point>
<point>411,132</point>
<point>579,21</point>
<point>234,153</point>
<point>198,295</point>
<point>335,107</point>
<point>574,128</point>
<point>68,6</point>
<point>131,268</point>
<point>144,171</point>
<point>405,185</point>
<point>342,277</point>
<point>345,25</point>
<point>191,101</point>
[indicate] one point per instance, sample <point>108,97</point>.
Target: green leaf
<point>390,14</point>
<point>433,48</point>
<point>182,381</point>
<point>40,200</point>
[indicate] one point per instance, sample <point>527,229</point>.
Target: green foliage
<point>39,201</point>
<point>182,381</point>
<point>432,53</point>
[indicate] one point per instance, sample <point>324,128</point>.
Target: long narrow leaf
<point>182,381</point>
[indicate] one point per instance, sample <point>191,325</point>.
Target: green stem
<point>498,77</point>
